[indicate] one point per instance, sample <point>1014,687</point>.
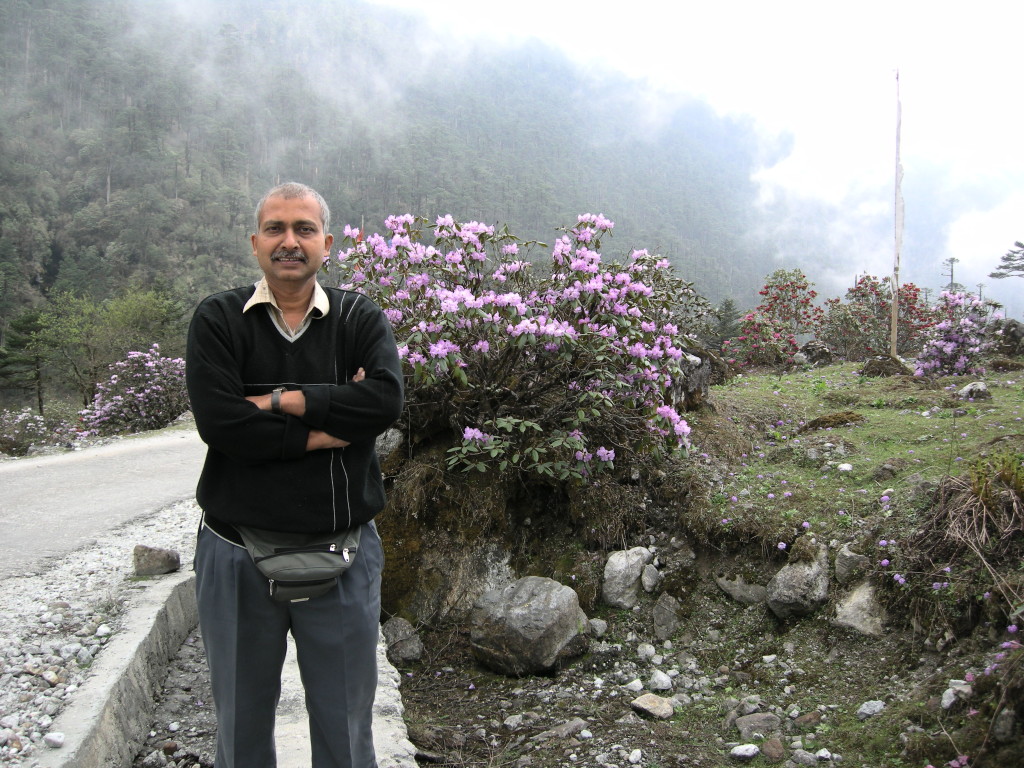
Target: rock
<point>660,681</point>
<point>665,616</point>
<point>738,589</point>
<point>1009,337</point>
<point>870,709</point>
<point>650,578</point>
<point>759,723</point>
<point>598,627</point>
<point>153,561</point>
<point>816,353</point>
<point>1004,726</point>
<point>800,588</point>
<point>773,750</point>
<point>529,627</point>
<point>750,704</point>
<point>622,575</point>
<point>958,690</point>
<point>563,731</point>
<point>653,705</point>
<point>403,644</point>
<point>861,611</point>
<point>745,752</point>
<point>803,757</point>
<point>808,721</point>
<point>54,740</point>
<point>976,390</point>
<point>850,564</point>
<point>388,442</point>
<point>635,757</point>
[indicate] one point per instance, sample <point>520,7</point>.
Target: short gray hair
<point>290,190</point>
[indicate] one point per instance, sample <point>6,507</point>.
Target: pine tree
<point>1011,264</point>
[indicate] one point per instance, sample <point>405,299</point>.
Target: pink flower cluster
<point>469,311</point>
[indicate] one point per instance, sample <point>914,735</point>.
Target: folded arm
<point>315,416</point>
<point>293,401</point>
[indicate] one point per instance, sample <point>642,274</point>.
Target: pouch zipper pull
<point>333,547</point>
<point>344,555</point>
<point>271,587</point>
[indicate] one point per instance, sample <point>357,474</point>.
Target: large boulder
<point>622,576</point>
<point>800,588</point>
<point>528,627</point>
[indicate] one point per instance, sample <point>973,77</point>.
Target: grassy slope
<point>830,454</point>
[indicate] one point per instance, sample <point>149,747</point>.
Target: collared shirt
<point>319,305</point>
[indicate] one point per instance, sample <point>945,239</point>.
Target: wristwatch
<point>275,400</point>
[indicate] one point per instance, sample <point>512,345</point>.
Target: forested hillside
<point>135,136</point>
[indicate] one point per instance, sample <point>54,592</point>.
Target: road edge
<point>111,714</point>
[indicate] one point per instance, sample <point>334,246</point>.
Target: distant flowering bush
<point>20,431</point>
<point>555,371</point>
<point>768,334</point>
<point>954,345</point>
<point>144,391</point>
<point>860,327</point>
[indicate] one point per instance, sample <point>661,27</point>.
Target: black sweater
<point>257,469</point>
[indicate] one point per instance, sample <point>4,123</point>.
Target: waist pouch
<point>300,565</point>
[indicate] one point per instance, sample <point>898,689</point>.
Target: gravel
<point>56,620</point>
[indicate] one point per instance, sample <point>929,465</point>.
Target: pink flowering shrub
<point>556,371</point>
<point>144,391</point>
<point>954,345</point>
<point>21,431</point>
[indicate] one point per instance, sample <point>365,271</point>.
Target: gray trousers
<point>245,637</point>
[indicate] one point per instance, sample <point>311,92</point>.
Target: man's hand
<point>319,440</point>
<point>292,400</point>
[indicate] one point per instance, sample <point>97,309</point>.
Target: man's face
<point>291,244</point>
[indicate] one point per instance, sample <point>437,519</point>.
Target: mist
<point>392,110</point>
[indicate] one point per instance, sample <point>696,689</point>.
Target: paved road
<point>50,505</point>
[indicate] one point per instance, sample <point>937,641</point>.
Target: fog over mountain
<point>135,136</point>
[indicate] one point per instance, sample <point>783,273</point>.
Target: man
<point>290,384</point>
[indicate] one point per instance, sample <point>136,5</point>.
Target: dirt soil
<point>184,724</point>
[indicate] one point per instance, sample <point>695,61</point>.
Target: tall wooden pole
<point>898,228</point>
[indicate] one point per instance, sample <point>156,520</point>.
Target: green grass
<point>867,475</point>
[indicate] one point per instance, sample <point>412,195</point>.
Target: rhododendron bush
<point>145,391</point>
<point>859,328</point>
<point>557,370</point>
<point>954,345</point>
<point>768,334</point>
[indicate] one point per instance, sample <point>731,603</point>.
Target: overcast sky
<point>825,72</point>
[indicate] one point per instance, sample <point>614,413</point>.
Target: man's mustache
<point>284,253</point>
